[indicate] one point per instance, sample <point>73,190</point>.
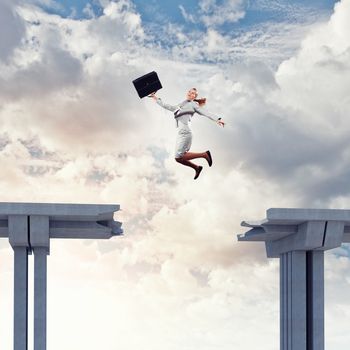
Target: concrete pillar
<point>40,283</point>
<point>302,300</point>
<point>40,242</point>
<point>315,300</point>
<point>293,300</point>
<point>19,240</point>
<point>20,340</point>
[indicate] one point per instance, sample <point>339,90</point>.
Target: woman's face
<point>191,94</point>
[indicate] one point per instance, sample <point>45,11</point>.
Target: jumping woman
<point>183,113</point>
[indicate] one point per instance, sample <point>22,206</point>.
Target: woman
<point>183,113</point>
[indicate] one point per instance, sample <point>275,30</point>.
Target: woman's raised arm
<point>211,116</point>
<point>162,104</point>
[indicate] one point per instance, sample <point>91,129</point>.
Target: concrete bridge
<point>299,237</point>
<point>29,228</point>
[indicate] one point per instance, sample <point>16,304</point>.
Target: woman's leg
<point>192,155</point>
<point>197,168</point>
<point>182,154</point>
<point>185,160</point>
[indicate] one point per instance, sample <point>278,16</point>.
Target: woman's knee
<point>179,159</point>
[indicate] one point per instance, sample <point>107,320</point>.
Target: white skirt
<point>183,141</point>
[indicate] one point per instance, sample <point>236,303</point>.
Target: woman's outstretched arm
<point>211,116</point>
<point>164,105</point>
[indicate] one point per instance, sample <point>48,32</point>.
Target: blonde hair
<point>201,101</point>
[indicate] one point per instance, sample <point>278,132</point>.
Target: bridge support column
<point>19,240</point>
<point>302,300</point>
<point>40,242</point>
<point>40,307</point>
<point>20,340</point>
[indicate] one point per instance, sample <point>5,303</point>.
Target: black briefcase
<point>147,84</point>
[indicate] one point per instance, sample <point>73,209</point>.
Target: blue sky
<point>161,11</point>
<point>257,18</point>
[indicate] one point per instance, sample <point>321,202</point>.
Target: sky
<point>73,130</point>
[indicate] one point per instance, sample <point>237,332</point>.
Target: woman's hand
<point>153,95</point>
<point>220,122</point>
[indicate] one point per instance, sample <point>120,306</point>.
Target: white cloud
<point>215,41</point>
<point>212,13</point>
<point>313,89</point>
<point>187,16</point>
<point>12,29</point>
<point>270,43</point>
